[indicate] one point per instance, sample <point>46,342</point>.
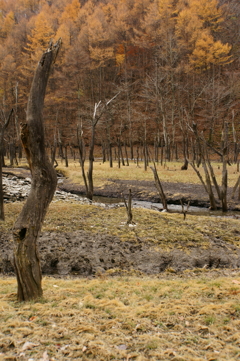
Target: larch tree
<point>40,36</point>
<point>44,181</point>
<point>208,52</point>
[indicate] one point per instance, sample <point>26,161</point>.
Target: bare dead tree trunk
<point>110,155</point>
<point>184,210</point>
<point>97,114</point>
<point>126,153</point>
<point>82,154</point>
<point>236,150</point>
<point>224,170</point>
<point>162,141</point>
<point>2,131</point>
<point>103,152</point>
<point>185,145</point>
<point>159,187</point>
<point>44,181</point>
<point>205,163</point>
<point>128,206</point>
<point>66,155</point>
<point>156,149</point>
<point>237,184</point>
<point>53,151</point>
<point>118,153</point>
<point>91,160</point>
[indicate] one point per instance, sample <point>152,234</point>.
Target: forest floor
<point>163,288</point>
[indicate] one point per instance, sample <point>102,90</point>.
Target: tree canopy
<point>171,60</point>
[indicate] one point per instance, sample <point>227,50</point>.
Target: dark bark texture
<point>44,181</point>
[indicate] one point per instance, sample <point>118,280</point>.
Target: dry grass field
<point>193,316</point>
<point>168,172</point>
<point>189,316</point>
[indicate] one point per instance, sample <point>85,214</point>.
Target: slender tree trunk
<point>2,130</point>
<point>159,187</point>
<point>162,141</point>
<point>81,147</point>
<point>66,156</point>
<point>44,181</point>
<point>103,152</point>
<point>53,151</point>
<point>2,217</point>
<point>118,153</point>
<point>237,184</point>
<point>90,166</point>
<point>137,156</point>
<point>128,206</point>
<point>224,170</point>
<point>110,155</point>
<point>126,153</point>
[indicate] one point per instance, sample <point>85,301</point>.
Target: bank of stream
<point>88,252</point>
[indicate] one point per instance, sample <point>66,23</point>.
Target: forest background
<point>171,62</point>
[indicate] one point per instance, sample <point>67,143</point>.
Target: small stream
<point>17,189</point>
<point>173,208</point>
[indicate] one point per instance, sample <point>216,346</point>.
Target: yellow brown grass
<point>169,172</point>
<point>165,230</point>
<point>127,318</point>
<point>193,317</point>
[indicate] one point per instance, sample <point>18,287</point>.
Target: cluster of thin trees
<point>173,63</point>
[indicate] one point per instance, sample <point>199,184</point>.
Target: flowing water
<point>173,208</point>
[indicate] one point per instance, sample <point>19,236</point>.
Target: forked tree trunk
<point>44,181</point>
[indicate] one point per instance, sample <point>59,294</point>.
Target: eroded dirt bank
<point>84,254</point>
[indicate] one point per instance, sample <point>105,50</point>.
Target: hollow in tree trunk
<point>44,181</point>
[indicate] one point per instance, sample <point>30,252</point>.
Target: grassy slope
<point>166,230</point>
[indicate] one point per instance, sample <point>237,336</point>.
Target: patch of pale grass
<point>124,318</point>
<point>165,230</point>
<point>168,172</point>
